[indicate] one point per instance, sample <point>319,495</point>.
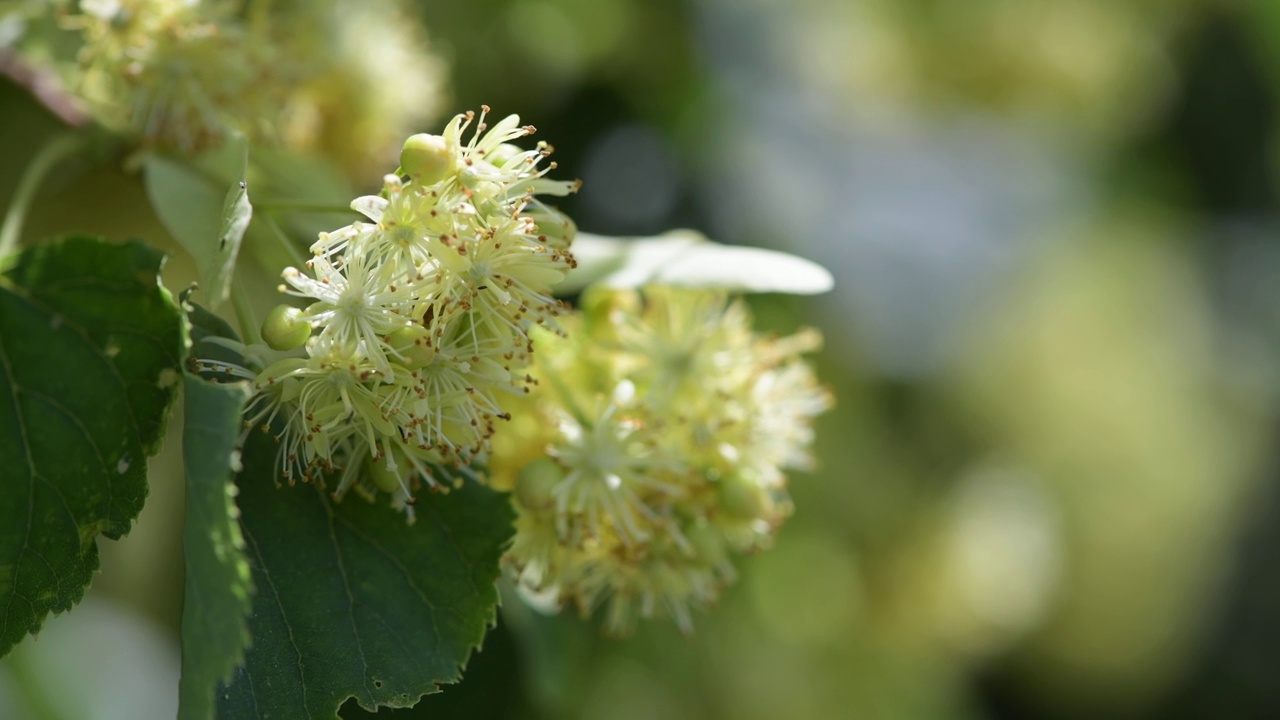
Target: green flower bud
<point>536,481</point>
<point>503,153</point>
<point>708,543</point>
<point>384,479</point>
<point>413,344</point>
<point>603,307</point>
<point>425,158</point>
<point>284,329</point>
<point>742,499</point>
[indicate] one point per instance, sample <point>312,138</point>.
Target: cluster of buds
<point>419,318</point>
<point>653,449</point>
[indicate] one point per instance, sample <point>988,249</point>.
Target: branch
<point>45,86</point>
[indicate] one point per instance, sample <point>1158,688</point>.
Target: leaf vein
<point>97,451</point>
<point>39,307</point>
<point>31,487</point>
<point>351,600</point>
<point>262,564</point>
<point>408,576</point>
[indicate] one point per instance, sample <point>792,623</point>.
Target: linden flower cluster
<point>664,426</point>
<point>371,78</point>
<point>172,71</point>
<point>344,77</point>
<point>419,318</point>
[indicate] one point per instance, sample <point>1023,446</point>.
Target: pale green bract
<point>686,258</point>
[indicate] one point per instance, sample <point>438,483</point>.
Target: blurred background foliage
<point>1049,488</point>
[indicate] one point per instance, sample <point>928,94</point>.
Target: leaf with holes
<point>351,601</point>
<point>90,346</point>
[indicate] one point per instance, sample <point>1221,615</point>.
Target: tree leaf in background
<point>353,602</point>
<point>306,196</point>
<point>685,258</point>
<point>188,203</point>
<point>90,348</point>
<point>216,598</point>
<point>207,219</point>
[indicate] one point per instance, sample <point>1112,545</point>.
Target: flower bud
<point>413,344</point>
<point>536,481</point>
<point>742,499</point>
<point>384,479</point>
<point>425,158</point>
<point>284,329</point>
<point>708,543</point>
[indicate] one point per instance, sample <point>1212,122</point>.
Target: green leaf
<point>353,602</point>
<point>215,630</point>
<point>187,201</point>
<point>236,214</point>
<point>304,196</point>
<point>204,204</point>
<point>90,346</point>
<point>204,324</point>
<point>685,258</point>
<point>211,338</point>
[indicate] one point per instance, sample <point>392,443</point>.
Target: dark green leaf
<point>207,330</point>
<point>204,324</point>
<point>215,630</point>
<point>353,602</point>
<point>90,346</point>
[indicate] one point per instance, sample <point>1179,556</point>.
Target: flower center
<point>402,235</point>
<point>352,301</point>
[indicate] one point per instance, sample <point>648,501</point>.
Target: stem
<point>45,86</point>
<point>30,692</point>
<point>54,152</point>
<point>299,260</point>
<point>303,206</point>
<point>244,315</point>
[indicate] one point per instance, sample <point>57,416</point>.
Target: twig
<point>45,86</point>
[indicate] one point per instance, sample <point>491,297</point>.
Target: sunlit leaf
<point>236,214</point>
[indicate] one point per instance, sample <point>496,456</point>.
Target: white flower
<point>614,472</point>
<point>357,306</point>
<point>682,465</point>
<point>419,316</point>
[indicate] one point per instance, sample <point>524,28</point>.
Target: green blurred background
<point>1048,489</point>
